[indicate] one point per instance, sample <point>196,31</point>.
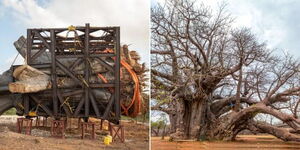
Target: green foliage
<point>154,124</point>
<point>11,111</point>
<point>140,118</point>
<point>160,122</point>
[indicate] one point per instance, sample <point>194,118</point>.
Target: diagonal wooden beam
<point>38,53</point>
<point>108,107</point>
<point>77,62</point>
<point>62,101</point>
<point>42,39</point>
<point>101,104</point>
<point>94,103</point>
<point>68,72</point>
<point>45,108</point>
<point>105,64</point>
<point>77,110</point>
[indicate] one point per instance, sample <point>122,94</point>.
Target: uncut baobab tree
<point>214,80</point>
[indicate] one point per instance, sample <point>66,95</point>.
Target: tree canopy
<point>214,80</point>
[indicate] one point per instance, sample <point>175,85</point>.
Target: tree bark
<point>164,132</point>
<point>188,119</point>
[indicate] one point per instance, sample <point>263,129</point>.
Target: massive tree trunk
<point>187,119</point>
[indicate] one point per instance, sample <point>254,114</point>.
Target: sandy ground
<point>136,136</point>
<point>244,142</point>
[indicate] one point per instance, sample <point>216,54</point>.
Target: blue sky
<point>18,15</point>
<point>9,32</point>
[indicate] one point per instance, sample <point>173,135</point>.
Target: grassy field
<point>243,142</point>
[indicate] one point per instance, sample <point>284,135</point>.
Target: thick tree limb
<point>280,133</point>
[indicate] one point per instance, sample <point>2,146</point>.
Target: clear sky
<point>18,15</point>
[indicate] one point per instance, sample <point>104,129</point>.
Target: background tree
<point>159,124</point>
<point>214,80</point>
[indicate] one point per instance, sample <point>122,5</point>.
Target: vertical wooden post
<point>53,73</point>
<point>86,71</point>
<point>117,75</point>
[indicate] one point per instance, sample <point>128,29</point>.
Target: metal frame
<point>93,46</point>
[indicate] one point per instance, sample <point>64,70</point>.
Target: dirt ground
<point>244,142</point>
<point>136,138</point>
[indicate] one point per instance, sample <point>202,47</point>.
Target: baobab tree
<point>214,80</point>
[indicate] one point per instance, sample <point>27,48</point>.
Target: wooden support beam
<point>79,106</point>
<point>45,108</point>
<point>29,46</point>
<point>42,39</point>
<point>94,104</point>
<point>91,55</point>
<point>117,74</point>
<point>63,103</point>
<point>38,53</point>
<point>91,48</point>
<point>26,104</point>
<point>69,73</point>
<point>109,106</point>
<point>105,64</point>
<point>76,63</point>
<point>53,71</point>
<point>87,70</point>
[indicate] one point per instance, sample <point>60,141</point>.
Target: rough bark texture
<point>30,80</point>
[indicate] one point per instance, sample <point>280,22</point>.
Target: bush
<point>11,111</point>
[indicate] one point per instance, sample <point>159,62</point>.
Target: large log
<point>30,80</point>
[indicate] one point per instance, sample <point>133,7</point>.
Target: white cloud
<point>131,15</point>
<point>274,21</point>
